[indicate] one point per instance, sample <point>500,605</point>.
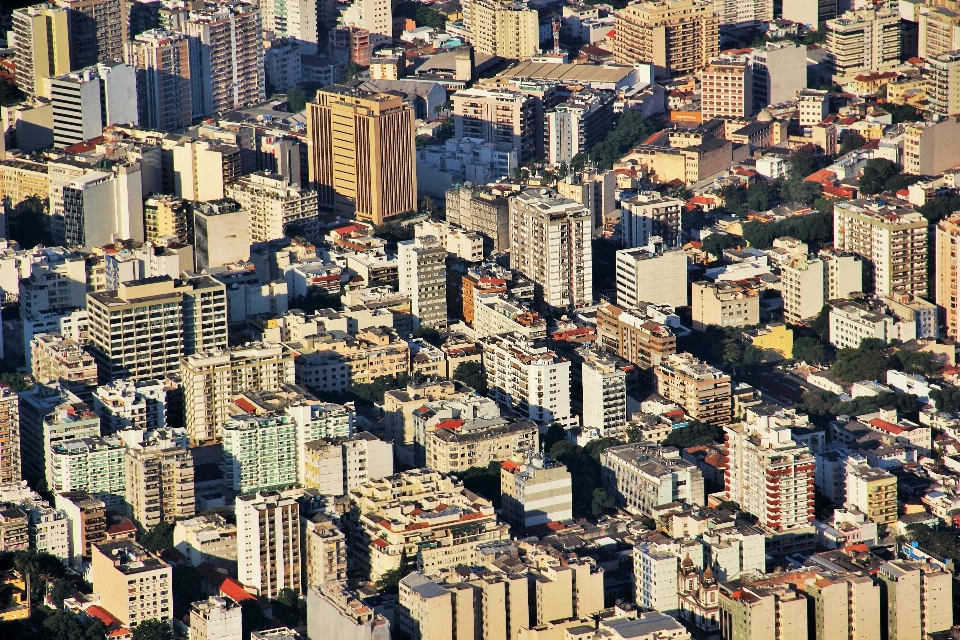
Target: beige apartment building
<point>324,550</point>
<point>61,361</point>
<point>948,273</point>
<point>501,28</point>
<point>482,210</point>
<point>23,179</point>
<point>88,523</point>
<point>207,538</point>
<point>327,363</point>
<point>726,89</point>
<point>456,445</point>
<point>943,87</point>
<point>268,541</point>
<point>863,41</point>
<point>159,484</point>
<point>918,599</point>
<point>535,490</point>
<point>702,391</point>
<point>41,48</point>
<point>212,378</point>
<point>634,336</point>
<point>809,283</point>
<point>166,215</point>
<point>677,37</point>
<point>931,148</point>
<point>873,492</point>
<point>162,61</point>
<point>276,208</point>
<point>9,435</point>
<point>724,304</point>
<point>501,116</point>
<point>362,153</point>
<point>134,584</point>
<point>893,240</point>
<point>939,31</point>
<point>335,466</point>
<point>399,405</point>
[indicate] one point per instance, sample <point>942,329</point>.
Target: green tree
<point>473,375</point>
<point>695,433</point>
<point>10,94</point>
<point>429,335</point>
<point>159,538</point>
<point>875,174</point>
<point>296,99</point>
<point>900,181</point>
<point>915,362</point>
<point>62,625</point>
<point>16,381</point>
<point>867,362</point>
<point>809,350</point>
<point>821,324</point>
<point>153,629</point>
<point>630,129</point>
<point>947,398</point>
<point>796,189</point>
<point>716,243</point>
<point>804,161</point>
<point>289,608</point>
<point>252,618</point>
<point>484,481</point>
<point>850,141</point>
<point>903,113</point>
<point>939,208</point>
<point>601,502</point>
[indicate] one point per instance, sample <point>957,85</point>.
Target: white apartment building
<point>201,170</point>
<point>268,541</point>
<point>650,215</point>
<point>541,392</point>
<point>259,453</point>
<point>652,274</point>
<point>128,404</point>
<point>212,378</point>
<point>769,474</point>
<point>160,481</point>
<point>207,539</point>
<point>498,115</point>
<point>88,100</point>
<point>576,125</point>
<point>813,106</point>
<point>535,490</point>
<point>893,240</point>
<point>47,417</point>
<point>277,209</point>
<point>458,241</point>
<point>851,322</point>
<point>134,584</point>
<point>743,13</point>
<point>97,206</point>
<point>809,283</point>
<point>216,618</point>
<point>375,16</point>
<point>423,277</point>
<point>863,41</point>
<point>779,72</point>
<point>644,477</point>
<point>334,466</point>
<point>550,243</point>
<point>95,465</point>
<point>496,314</point>
<point>162,62</point>
<point>48,529</point>
<point>603,407</point>
<point>656,569</point>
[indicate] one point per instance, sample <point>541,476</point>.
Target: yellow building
<point>22,179</point>
<point>18,609</point>
<point>873,492</point>
<point>166,215</point>
<point>775,337</point>
<point>362,153</point>
<point>134,584</point>
<point>503,29</point>
<point>678,37</point>
<point>42,46</point>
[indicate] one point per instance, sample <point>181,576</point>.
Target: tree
<point>821,324</point>
<point>153,629</point>
<point>350,71</point>
<point>813,228</point>
<point>695,433</point>
<point>715,243</point>
<point>947,398</point>
<point>796,189</point>
<point>429,335</point>
<point>16,381</point>
<point>875,174</point>
<point>62,625</point>
<point>867,362</point>
<point>427,206</point>
<point>252,618</point>
<point>809,350</point>
<point>484,481</point>
<point>901,181</point>
<point>289,608</point>
<point>159,538</point>
<point>630,129</point>
<point>804,161</point>
<point>850,141</point>
<point>915,362</point>
<point>939,208</point>
<point>903,113</point>
<point>296,99</point>
<point>601,503</point>
<point>10,94</point>
<point>727,505</point>
<point>473,375</point>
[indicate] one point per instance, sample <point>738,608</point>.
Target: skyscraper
<point>98,29</point>
<point>86,101</point>
<point>268,541</point>
<point>42,46</point>
<point>362,158</point>
<point>162,61</point>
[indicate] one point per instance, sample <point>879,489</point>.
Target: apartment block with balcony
<point>634,336</point>
<point>915,599</point>
<point>482,210</point>
<point>453,446</point>
<point>207,538</point>
<point>809,283</point>
<point>334,466</point>
<point>943,88</point>
<point>49,417</point>
<point>423,265</point>
<point>930,148</point>
<point>268,541</point>
<point>948,274</point>
<point>677,37</point>
<point>324,550</point>
<point>939,31</point>
<point>643,477</point>
<point>93,464</point>
<point>649,215</point>
<point>134,584</point>
<point>501,116</point>
<point>704,392</point>
<point>325,362</point>
<point>852,321</point>
<point>277,209</point>
<point>88,524</point>
<point>602,406</point>
<point>535,490</point>
<point>496,314</point>
<point>872,491</point>
<point>862,41</point>
<point>726,89</point>
<point>652,274</point>
<point>159,483</point>
<point>724,304</point>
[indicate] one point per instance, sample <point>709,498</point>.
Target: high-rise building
<point>916,599</point>
<point>277,209</point>
<point>735,15</point>
<point>226,58</point>
<point>809,14</point>
<point>480,209</point>
<point>259,452</point>
<point>535,490</point>
<point>334,466</point>
<point>948,276</point>
<point>453,446</point>
<point>92,464</point>
<point>134,584</point>
<point>221,233</point>
<point>702,391</point>
<point>159,483</point>
<point>643,477</point>
<point>423,277</point>
<point>726,86</point>
<point>602,405</point>
<point>652,274</point>
<point>574,126</point>
<point>930,148</point>
<point>944,86</point>
<point>376,17</point>
<point>166,215</point>
<point>216,618</point>
<point>891,240</point>
<point>48,417</point>
<point>98,29</point>
<point>813,106</point>
<point>723,303</point>
<point>212,378</point>
<point>143,328</point>
<point>41,47</point>
<point>501,116</point>
<point>202,167</point>
<point>128,404</point>
<point>162,61</point>
<point>550,243</point>
<point>48,529</point>
<point>324,549</point>
<point>506,29</point>
<point>634,335</point>
<point>649,215</point>
<point>769,473</point>
<point>302,25</point>
<point>809,283</point>
<point>335,612</point>
<point>677,37</point>
<point>87,101</point>
<point>873,492</point>
<point>268,541</point>
<point>9,435</point>
<point>88,524</point>
<point>866,40</point>
<point>779,73</point>
<point>207,538</point>
<point>596,190</point>
<point>542,392</point>
<point>939,31</point>
<point>368,137</point>
<point>99,206</point>
<point>60,361</point>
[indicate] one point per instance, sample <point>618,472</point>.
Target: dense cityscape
<point>479,320</point>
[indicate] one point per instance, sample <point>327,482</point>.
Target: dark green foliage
<point>153,630</point>
<point>939,208</point>
<point>903,113</point>
<point>445,131</point>
<point>728,505</point>
<point>350,71</point>
<point>821,324</point>
<point>296,99</point>
<point>809,350</point>
<point>823,406</point>
<point>366,394</point>
<point>850,141</point>
<point>633,433</point>
<point>741,357</point>
<point>16,380</point>
<point>429,335</point>
<point>629,130</point>
<point>804,161</point>
<point>695,433</point>
<point>484,481</point>
<point>946,399</point>
<point>583,463</point>
<point>796,189</point>
<point>10,94</point>
<point>30,227</point>
<point>942,542</point>
<point>824,205</point>
<point>290,609</point>
<point>393,232</point>
<point>316,300</point>
<point>915,362</point>
<point>601,503</point>
<point>61,625</point>
<point>159,538</point>
<point>812,228</point>
<point>44,569</point>
<point>555,433</point>
<point>715,244</point>
<point>866,362</point>
<point>422,14</point>
<point>473,375</point>
<point>875,174</point>
<point>814,37</point>
<point>187,588</point>
<point>900,181</point>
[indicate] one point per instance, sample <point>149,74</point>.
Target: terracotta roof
<point>235,591</point>
<point>883,425</point>
<point>101,614</point>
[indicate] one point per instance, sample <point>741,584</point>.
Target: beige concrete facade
<point>724,304</point>
<point>134,585</point>
<point>677,37</point>
<point>703,391</point>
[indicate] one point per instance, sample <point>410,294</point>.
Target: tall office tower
<point>41,46</point>
<point>650,215</point>
<point>576,125</point>
<point>268,541</point>
<point>376,16</point>
<point>742,14</point>
<point>864,41</point>
<point>948,273</point>
<point>362,155</point>
<point>915,598</point>
<point>99,206</point>
<point>939,31</point>
<point>677,37</point>
<point>98,29</point>
<point>159,482</point>
<point>944,87</point>
<point>704,392</point>
<point>779,73</point>
<point>162,61</point>
<point>226,58</point>
<point>480,209</point>
<point>727,88</point>
<point>891,240</point>
<point>166,215</point>
<point>134,585</point>
<point>277,209</point>
<point>769,474</point>
<point>507,29</point>
<point>550,244</point>
<point>423,277</point>
<point>500,116</point>
<point>87,101</point>
<point>9,435</point>
<point>143,328</point>
<point>211,379</point>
